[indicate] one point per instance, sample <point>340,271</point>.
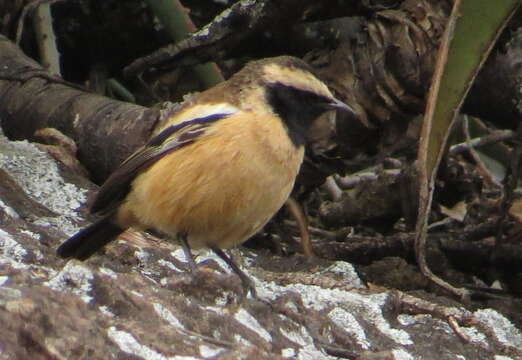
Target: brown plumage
<point>220,167</point>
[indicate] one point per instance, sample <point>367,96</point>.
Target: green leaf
<point>471,32</point>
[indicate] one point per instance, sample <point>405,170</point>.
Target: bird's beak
<point>336,104</point>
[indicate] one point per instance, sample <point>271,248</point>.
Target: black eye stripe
<point>301,93</point>
<point>296,107</point>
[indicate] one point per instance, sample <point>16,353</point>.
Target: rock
<point>135,300</point>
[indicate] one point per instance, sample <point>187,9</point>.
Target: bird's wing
<point>117,186</point>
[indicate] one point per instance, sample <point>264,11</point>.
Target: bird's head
<point>286,86</point>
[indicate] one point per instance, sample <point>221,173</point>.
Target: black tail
<point>89,240</point>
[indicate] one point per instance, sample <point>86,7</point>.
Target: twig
<point>351,181</point>
<point>26,10</point>
<point>178,25</point>
<point>300,217</point>
<point>484,169</point>
<point>332,188</point>
<point>456,328</point>
<point>121,90</point>
<point>494,137</point>
<point>510,183</point>
<point>392,163</point>
<point>456,317</point>
<point>329,235</point>
<point>46,39</point>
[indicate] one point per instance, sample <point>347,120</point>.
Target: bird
<point>219,168</point>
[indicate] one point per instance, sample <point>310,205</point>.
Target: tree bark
<point>106,131</point>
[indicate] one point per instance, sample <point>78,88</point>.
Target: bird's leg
<point>182,237</point>
<point>248,284</point>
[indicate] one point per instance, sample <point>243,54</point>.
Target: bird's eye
<point>311,98</point>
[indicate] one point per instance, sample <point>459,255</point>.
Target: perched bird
<point>219,168</point>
